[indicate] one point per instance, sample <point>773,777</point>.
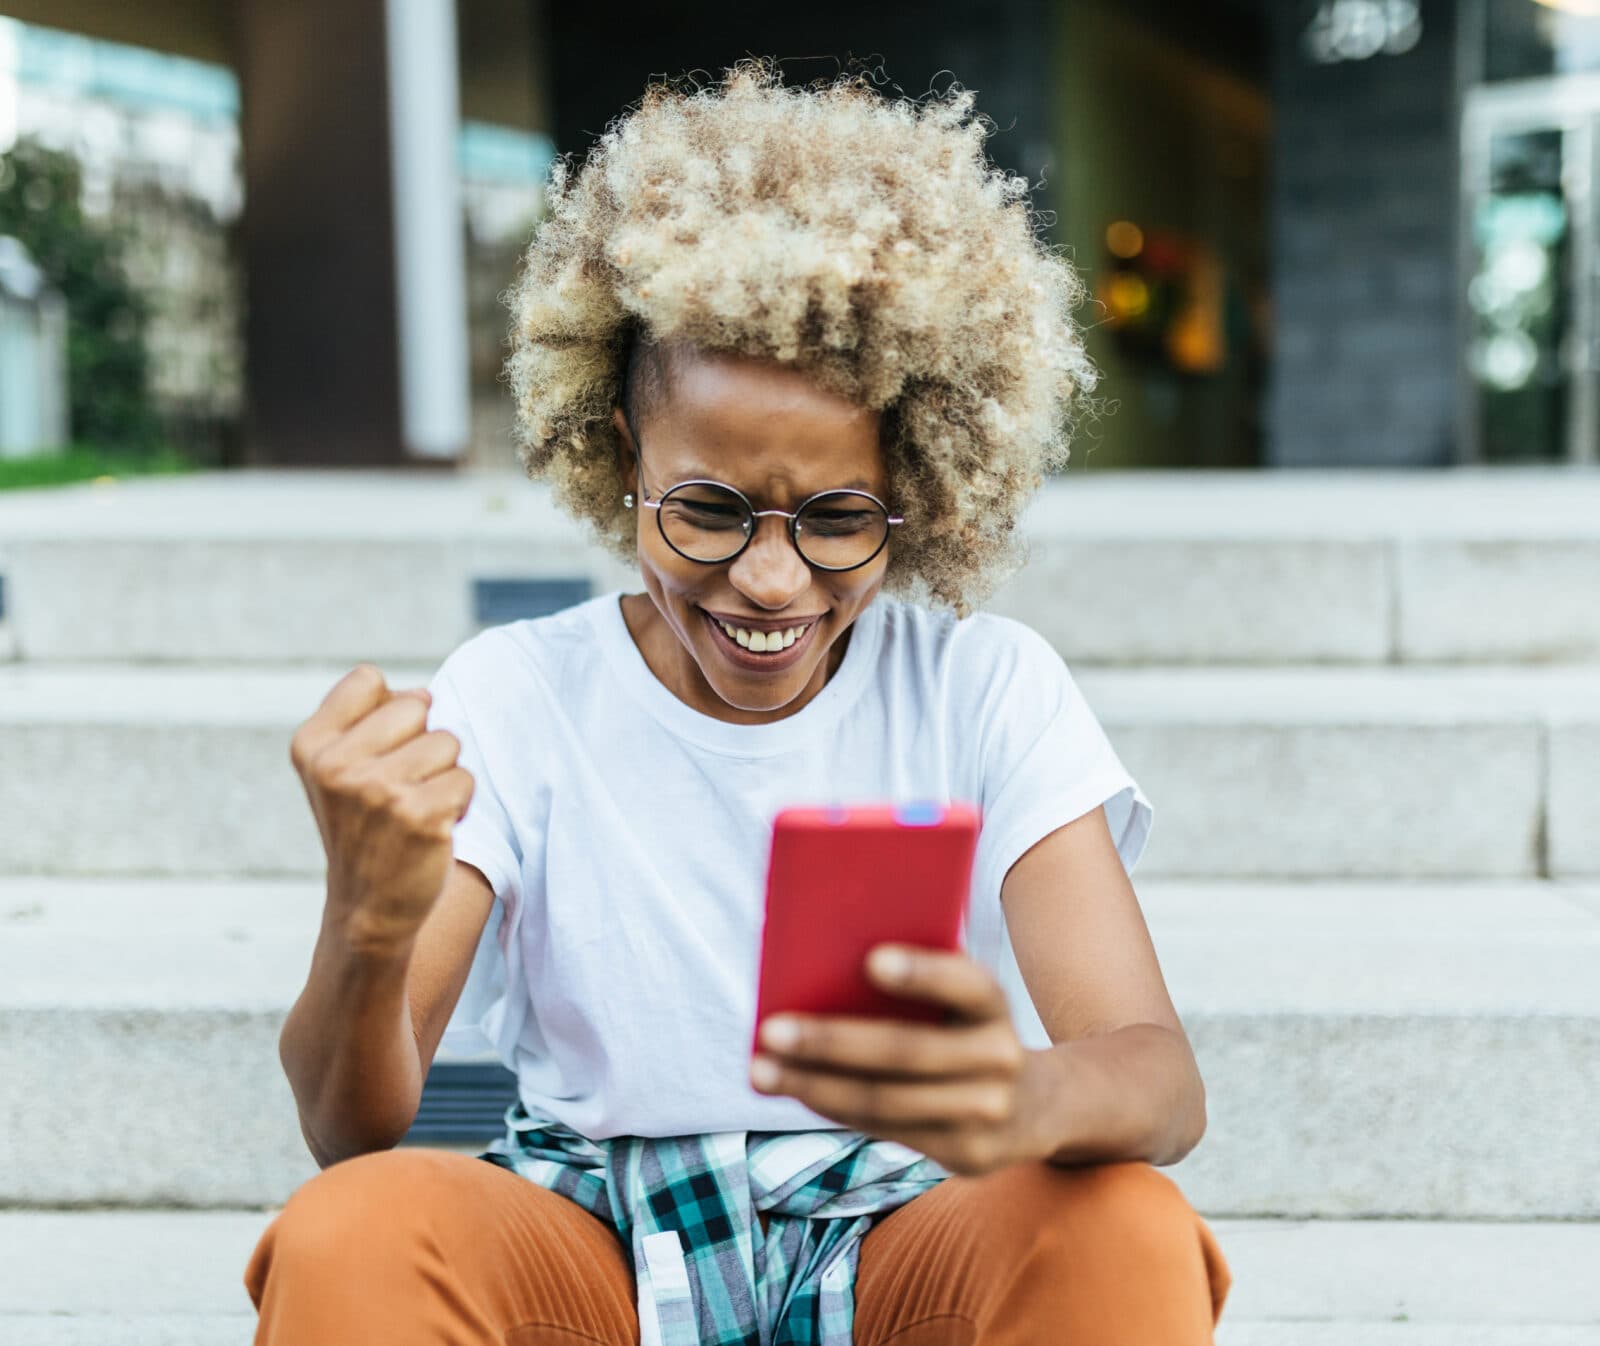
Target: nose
<point>770,572</point>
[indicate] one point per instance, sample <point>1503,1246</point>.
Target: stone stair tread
<point>291,567</point>
<point>239,1330</point>
<point>1500,502</point>
<point>101,1329</point>
<point>1402,1281</point>
<point>1396,1334</point>
<point>1227,947</point>
<point>247,694</point>
<point>282,503</point>
<point>1329,1021</point>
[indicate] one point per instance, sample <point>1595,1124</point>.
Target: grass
<point>86,462</point>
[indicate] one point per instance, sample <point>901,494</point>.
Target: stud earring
<point>627,500</point>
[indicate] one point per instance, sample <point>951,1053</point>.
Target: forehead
<point>762,426</point>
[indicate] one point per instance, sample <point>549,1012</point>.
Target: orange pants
<point>419,1246</point>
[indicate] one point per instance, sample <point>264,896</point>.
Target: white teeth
<point>764,642</point>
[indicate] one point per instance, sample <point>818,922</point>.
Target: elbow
<point>1193,1129</point>
<point>327,1158</point>
<point>349,1146</point>
<point>327,1135</point>
<point>1189,1119</point>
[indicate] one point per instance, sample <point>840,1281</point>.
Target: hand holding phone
<point>841,881</point>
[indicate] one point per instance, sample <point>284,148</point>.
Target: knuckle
<point>415,816</point>
<point>376,793</point>
<point>993,1105</point>
<point>1011,1055</point>
<point>408,813</point>
<point>437,829</point>
<point>334,774</point>
<point>366,678</point>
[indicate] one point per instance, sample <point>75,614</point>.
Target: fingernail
<point>763,1073</point>
<point>780,1033</point>
<point>891,964</point>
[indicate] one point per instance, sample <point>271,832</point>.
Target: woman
<point>787,348</point>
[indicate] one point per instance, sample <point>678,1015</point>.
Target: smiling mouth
<point>761,649</point>
<point>763,642</point>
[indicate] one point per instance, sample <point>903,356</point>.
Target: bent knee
<point>1128,1208</point>
<point>360,1187</point>
<point>341,1212</point>
<point>1121,1186</point>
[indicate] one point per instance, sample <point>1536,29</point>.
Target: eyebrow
<point>855,484</point>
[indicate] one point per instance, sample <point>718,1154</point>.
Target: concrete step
<point>176,1279</point>
<point>1404,1334</point>
<point>1429,1051</point>
<point>1389,1049</point>
<point>1498,565</point>
<point>1254,773</point>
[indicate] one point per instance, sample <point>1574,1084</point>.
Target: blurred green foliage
<point>84,462</point>
<point>107,363</point>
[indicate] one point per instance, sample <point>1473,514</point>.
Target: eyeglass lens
<point>710,523</point>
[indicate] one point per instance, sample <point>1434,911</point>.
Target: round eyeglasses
<point>710,522</point>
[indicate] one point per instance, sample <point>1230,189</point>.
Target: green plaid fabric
<point>686,1207</point>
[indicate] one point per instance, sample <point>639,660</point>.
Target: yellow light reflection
<point>1127,296</point>
<point>1589,9</point>
<point>1124,239</point>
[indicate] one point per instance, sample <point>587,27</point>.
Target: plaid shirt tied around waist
<point>686,1206</point>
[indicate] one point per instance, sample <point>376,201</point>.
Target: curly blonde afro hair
<point>865,239</point>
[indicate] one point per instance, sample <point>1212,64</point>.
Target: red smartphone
<point>842,881</point>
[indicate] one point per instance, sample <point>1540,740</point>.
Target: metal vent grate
<point>509,600</point>
<point>463,1102</point>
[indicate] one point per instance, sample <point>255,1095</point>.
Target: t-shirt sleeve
<point>1044,759</point>
<point>482,1020</point>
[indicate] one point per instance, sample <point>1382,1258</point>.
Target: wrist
<point>1043,1108</point>
<point>367,937</point>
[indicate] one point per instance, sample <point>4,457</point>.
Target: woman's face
<point>768,430</point>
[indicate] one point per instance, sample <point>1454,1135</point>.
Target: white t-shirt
<point>626,837</point>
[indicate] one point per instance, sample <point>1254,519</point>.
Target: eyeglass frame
<point>793,516</point>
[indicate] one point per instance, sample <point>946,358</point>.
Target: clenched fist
<point>386,793</point>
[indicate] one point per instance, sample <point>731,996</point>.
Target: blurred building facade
<point>1317,232</point>
<point>33,356</point>
<point>1436,283</point>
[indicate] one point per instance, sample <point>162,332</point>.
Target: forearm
<point>349,1050</point>
<point>1130,1094</point>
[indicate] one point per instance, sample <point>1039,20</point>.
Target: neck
<point>676,668</point>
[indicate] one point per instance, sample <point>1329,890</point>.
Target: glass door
<point>1531,279</point>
